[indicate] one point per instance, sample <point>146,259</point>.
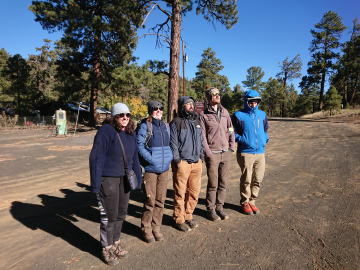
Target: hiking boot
<point>119,251</point>
<point>222,214</point>
<point>211,215</point>
<point>254,209</point>
<point>108,255</point>
<point>183,227</point>
<point>192,224</point>
<point>247,209</point>
<point>149,237</point>
<point>158,236</point>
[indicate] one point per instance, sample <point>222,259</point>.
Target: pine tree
<point>272,96</point>
<point>72,74</point>
<point>253,79</point>
<point>225,12</point>
<point>308,99</point>
<point>324,48</point>
<point>289,70</point>
<point>42,74</point>
<point>104,31</point>
<point>208,74</point>
<point>5,99</point>
<point>17,71</point>
<point>332,100</point>
<point>347,77</point>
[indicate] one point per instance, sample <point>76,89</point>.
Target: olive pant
<point>186,180</point>
<point>252,173</point>
<point>217,166</point>
<point>154,188</point>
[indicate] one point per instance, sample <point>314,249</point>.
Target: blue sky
<point>267,33</point>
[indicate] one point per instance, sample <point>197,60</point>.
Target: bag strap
<point>167,127</point>
<point>124,155</point>
<point>148,132</point>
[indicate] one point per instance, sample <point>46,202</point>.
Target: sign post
<point>199,106</point>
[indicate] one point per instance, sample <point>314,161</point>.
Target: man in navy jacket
<point>251,125</point>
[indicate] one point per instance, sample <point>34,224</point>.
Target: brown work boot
<point>119,251</point>
<point>183,227</point>
<point>192,223</point>
<point>222,214</point>
<point>149,237</point>
<point>108,255</point>
<point>158,236</point>
<point>211,215</point>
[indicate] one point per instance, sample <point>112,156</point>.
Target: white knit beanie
<point>119,108</point>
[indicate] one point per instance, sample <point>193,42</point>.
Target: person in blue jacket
<point>251,125</point>
<point>153,138</point>
<point>107,172</point>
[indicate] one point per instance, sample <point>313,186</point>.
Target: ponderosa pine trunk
<point>95,82</point>
<point>174,60</point>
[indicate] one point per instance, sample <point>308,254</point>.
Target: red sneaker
<point>254,209</point>
<point>247,209</point>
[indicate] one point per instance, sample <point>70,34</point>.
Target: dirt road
<point>309,202</point>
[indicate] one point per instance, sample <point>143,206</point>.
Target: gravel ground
<point>309,202</point>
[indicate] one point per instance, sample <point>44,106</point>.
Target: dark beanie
<point>154,104</point>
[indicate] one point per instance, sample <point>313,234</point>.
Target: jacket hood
<point>251,94</point>
<point>181,103</point>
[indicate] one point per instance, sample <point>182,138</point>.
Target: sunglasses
<point>124,114</point>
<point>157,108</point>
<point>215,94</point>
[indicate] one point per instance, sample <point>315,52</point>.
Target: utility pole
<point>185,59</point>
<point>183,46</point>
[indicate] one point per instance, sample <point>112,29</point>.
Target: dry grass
<point>344,113</point>
<point>351,116</point>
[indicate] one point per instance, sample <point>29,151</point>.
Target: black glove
<point>177,160</point>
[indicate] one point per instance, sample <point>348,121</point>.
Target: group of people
<point>184,144</point>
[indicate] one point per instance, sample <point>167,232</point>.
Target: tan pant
<point>186,179</point>
<point>155,188</point>
<point>252,173</point>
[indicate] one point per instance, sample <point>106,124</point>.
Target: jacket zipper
<point>162,147</point>
<point>256,139</point>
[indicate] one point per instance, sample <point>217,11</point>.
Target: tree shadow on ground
<point>58,216</point>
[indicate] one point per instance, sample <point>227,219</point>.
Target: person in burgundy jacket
<point>219,142</point>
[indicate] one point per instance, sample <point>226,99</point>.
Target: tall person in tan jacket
<point>219,142</point>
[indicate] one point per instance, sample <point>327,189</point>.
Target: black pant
<point>113,200</point>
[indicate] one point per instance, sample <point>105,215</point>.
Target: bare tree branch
<point>162,10</point>
<point>147,15</point>
<point>166,39</point>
